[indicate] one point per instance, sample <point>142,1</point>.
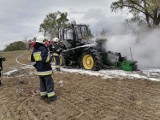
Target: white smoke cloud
<point>144,45</point>
<point>147,49</point>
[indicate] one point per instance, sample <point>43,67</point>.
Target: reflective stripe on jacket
<point>44,73</point>
<point>55,54</point>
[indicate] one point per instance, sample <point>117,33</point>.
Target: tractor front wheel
<point>91,60</point>
<point>88,61</point>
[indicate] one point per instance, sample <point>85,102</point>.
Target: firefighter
<point>42,63</point>
<point>1,67</point>
<point>56,53</point>
<point>50,46</point>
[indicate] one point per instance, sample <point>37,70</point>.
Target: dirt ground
<point>82,97</point>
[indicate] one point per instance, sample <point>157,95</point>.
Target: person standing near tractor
<point>56,53</point>
<point>42,63</point>
<point>1,67</point>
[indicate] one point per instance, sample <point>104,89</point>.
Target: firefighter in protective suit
<point>56,53</point>
<point>1,66</point>
<point>42,63</point>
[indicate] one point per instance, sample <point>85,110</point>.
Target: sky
<point>20,19</point>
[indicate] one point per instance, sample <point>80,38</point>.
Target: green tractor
<point>78,51</point>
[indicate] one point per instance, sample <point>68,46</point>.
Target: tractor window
<point>68,34</point>
<point>68,37</point>
<point>79,33</point>
<point>84,32</point>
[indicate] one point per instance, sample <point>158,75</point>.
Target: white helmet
<point>55,39</point>
<point>40,39</point>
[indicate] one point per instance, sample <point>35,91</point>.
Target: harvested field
<point>82,97</point>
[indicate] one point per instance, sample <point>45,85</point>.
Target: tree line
<point>18,45</point>
<point>144,11</point>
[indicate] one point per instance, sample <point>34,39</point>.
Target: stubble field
<point>82,97</point>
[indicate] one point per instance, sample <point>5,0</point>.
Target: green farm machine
<point>78,51</point>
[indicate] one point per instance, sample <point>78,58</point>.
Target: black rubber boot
<point>52,99</point>
<point>44,97</point>
<point>58,69</point>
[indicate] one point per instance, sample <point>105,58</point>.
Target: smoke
<point>147,49</point>
<point>136,42</point>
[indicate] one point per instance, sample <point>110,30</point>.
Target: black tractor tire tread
<point>65,60</point>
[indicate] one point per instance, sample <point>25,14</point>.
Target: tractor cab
<point>74,35</point>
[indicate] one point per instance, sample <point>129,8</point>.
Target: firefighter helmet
<point>55,39</point>
<point>40,39</point>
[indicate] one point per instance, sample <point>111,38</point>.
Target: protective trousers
<point>0,77</point>
<point>46,86</point>
<point>57,62</point>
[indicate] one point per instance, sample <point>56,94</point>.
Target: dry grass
<point>11,63</point>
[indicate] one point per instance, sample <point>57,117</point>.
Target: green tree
<point>18,45</point>
<point>148,10</point>
<point>53,23</point>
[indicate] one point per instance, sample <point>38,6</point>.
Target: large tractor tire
<point>64,59</point>
<point>91,60</point>
<point>61,59</point>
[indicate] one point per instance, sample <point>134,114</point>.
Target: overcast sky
<point>20,19</point>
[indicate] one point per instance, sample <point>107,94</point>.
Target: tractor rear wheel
<point>91,60</point>
<point>61,59</point>
<point>64,59</point>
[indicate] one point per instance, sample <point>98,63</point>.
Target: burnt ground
<point>82,97</point>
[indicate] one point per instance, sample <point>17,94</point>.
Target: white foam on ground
<point>153,75</point>
<point>10,72</point>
